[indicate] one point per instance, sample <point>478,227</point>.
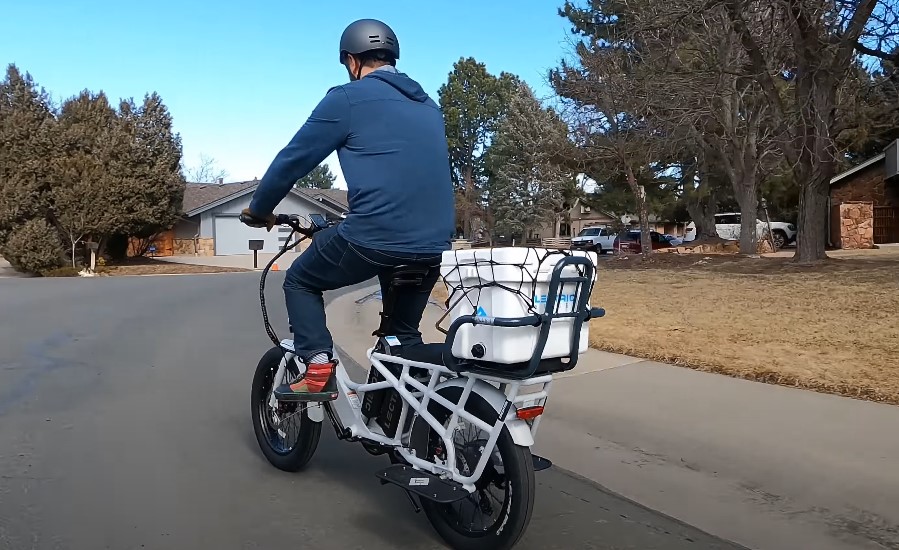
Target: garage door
<point>232,237</point>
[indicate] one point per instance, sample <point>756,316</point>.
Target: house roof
<point>199,197</point>
<point>855,169</point>
<point>337,197</point>
<point>578,202</point>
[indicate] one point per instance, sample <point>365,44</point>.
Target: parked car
<point>672,240</point>
<point>628,242</point>
<point>596,239</point>
<point>727,225</point>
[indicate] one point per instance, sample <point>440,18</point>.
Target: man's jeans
<point>331,263</point>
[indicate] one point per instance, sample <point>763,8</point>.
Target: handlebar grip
<point>250,220</point>
<point>597,312</point>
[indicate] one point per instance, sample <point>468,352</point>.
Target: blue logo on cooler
<point>564,298</point>
<point>480,312</point>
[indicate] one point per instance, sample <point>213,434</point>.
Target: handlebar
<point>317,223</point>
<point>292,221</point>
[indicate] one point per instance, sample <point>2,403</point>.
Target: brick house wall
<point>867,185</point>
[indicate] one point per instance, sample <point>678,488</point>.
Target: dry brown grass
<point>149,266</point>
<point>833,327</point>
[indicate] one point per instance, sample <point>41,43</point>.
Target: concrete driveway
<point>244,261</point>
<point>125,424</point>
<point>6,270</point>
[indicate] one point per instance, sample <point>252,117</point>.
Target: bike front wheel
<point>497,514</point>
<point>285,433</point>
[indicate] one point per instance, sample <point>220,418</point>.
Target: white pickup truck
<point>727,226</point>
<point>596,239</point>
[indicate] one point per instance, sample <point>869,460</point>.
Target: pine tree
<point>152,185</point>
<point>26,133</point>
<point>85,198</point>
<point>319,178</point>
<point>473,102</point>
<point>529,187</point>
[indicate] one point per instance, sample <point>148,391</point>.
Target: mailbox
<point>93,246</point>
<point>256,245</point>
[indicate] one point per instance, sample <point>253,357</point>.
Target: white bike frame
<point>505,396</point>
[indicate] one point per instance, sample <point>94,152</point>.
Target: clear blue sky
<point>241,77</point>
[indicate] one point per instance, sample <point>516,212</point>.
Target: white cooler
<point>524,269</point>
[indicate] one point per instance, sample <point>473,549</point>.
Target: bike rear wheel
<point>497,514</point>
<point>285,433</point>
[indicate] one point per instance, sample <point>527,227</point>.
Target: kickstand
<point>415,505</point>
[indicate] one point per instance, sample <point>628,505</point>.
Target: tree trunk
<point>640,196</point>
<point>702,211</point>
<point>645,240</point>
<point>469,207</point>
<point>702,203</point>
<point>747,196</point>
<point>812,225</point>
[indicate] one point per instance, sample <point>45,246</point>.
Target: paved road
<point>124,424</point>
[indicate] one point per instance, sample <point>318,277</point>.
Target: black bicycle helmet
<point>366,35</point>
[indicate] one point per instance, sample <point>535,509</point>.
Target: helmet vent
<point>377,38</point>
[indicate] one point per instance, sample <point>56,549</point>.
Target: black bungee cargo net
<point>477,263</point>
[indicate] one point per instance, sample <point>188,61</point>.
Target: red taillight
<point>530,413</point>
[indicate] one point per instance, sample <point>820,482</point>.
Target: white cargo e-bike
<point>456,423</point>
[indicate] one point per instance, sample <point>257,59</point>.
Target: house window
<point>585,209</point>
<point>564,229</point>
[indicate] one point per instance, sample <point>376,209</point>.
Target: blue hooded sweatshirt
<point>391,142</point>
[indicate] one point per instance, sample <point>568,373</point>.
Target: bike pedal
<point>424,484</point>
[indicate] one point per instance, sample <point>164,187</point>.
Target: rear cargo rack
<point>580,313</point>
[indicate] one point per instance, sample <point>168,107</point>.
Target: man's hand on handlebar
<point>252,220</point>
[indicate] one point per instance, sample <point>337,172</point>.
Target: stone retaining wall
<point>204,247</point>
<point>856,225</point>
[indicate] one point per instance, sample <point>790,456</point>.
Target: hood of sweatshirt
<point>400,81</point>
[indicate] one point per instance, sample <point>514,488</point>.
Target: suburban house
<point>210,225</point>
<point>581,216</point>
<point>864,202</point>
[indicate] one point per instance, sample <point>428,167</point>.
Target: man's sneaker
<point>317,384</point>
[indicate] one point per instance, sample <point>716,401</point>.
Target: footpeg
<point>424,484</point>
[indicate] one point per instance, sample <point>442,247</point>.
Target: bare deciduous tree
<point>822,40</point>
<point>609,102</point>
<point>207,171</point>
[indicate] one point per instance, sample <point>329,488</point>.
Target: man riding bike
<point>391,142</point>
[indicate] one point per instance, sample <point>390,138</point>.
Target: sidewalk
<point>764,466</point>
<point>244,261</point>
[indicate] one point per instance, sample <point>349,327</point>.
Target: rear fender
<point>518,429</point>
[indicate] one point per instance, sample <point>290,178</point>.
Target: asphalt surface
<point>125,424</point>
